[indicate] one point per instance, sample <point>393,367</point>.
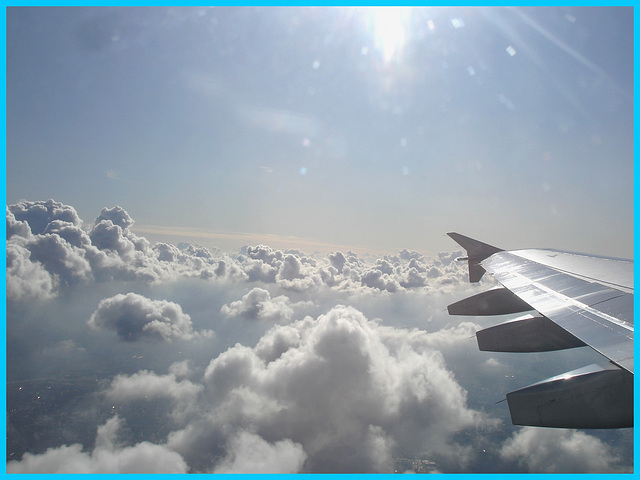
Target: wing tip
<point>476,249</point>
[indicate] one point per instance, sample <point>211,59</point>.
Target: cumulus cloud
<point>292,270</point>
<point>339,387</point>
<point>16,227</point>
<point>108,236</point>
<point>145,384</point>
<point>258,305</point>
<point>58,243</point>
<point>548,450</point>
<point>47,239</point>
<point>26,278</point>
<point>107,457</point>
<point>40,213</point>
<point>117,215</point>
<point>134,317</point>
<point>61,259</point>
<point>249,453</point>
<point>148,386</point>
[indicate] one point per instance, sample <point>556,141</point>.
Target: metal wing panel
<point>614,272</point>
<point>596,313</point>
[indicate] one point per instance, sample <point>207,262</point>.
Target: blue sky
<point>368,129</point>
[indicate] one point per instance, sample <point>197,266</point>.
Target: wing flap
<point>591,397</point>
<point>497,301</point>
<point>526,334</point>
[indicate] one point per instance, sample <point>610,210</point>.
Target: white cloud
<point>117,215</point>
<point>108,236</point>
<point>106,457</point>
<point>16,227</point>
<point>258,305</point>
<point>39,214</point>
<point>61,259</point>
<point>277,341</point>
<point>57,242</point>
<point>134,317</point>
<point>27,279</point>
<point>548,450</point>
<point>144,384</point>
<point>249,453</point>
<point>148,386</point>
<point>339,386</point>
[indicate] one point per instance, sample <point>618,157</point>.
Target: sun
<point>389,27</point>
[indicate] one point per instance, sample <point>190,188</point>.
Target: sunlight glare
<point>389,27</point>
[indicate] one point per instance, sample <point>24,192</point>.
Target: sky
<point>373,128</point>
<point>226,245</point>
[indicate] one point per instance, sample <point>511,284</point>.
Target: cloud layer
<point>50,248</point>
<point>338,393</point>
<point>107,457</point>
<point>558,451</point>
<point>338,363</point>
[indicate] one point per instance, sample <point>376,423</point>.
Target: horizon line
<point>268,239</point>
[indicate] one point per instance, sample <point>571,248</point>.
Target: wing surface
<point>573,300</point>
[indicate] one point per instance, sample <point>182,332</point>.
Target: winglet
<point>476,252</point>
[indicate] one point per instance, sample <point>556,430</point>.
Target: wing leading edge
<point>571,300</point>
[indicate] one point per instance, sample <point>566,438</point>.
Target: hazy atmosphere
<point>226,245</point>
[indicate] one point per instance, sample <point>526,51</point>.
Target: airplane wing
<point>571,300</point>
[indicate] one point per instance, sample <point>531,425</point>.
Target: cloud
<point>49,248</point>
<point>62,260</point>
<point>26,278</point>
<point>559,451</point>
<point>117,215</point>
<point>148,386</point>
<point>258,305</point>
<point>71,254</point>
<point>144,384</point>
<point>375,278</point>
<point>249,453</point>
<point>16,227</point>
<point>283,121</point>
<point>106,457</point>
<point>293,381</point>
<point>113,175</point>
<point>134,317</point>
<point>39,214</point>
<point>340,387</point>
<point>108,236</point>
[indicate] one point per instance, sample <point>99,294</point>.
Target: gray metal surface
<point>614,272</point>
<point>497,301</point>
<point>595,312</point>
<point>590,397</point>
<point>530,333</point>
